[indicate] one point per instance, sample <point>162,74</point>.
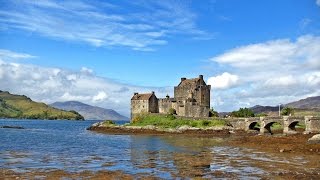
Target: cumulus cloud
<point>223,81</point>
<point>139,25</point>
<point>49,85</point>
<point>268,73</point>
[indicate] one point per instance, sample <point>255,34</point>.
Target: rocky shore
<point>294,143</point>
<point>153,130</point>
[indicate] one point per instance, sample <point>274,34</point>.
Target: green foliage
<point>108,123</point>
<point>261,115</point>
<point>16,106</point>
<point>287,111</point>
<point>166,121</point>
<point>243,112</point>
<point>213,113</point>
<point>172,111</point>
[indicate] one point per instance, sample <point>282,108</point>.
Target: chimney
<point>152,92</point>
<point>182,79</point>
<point>167,96</point>
<point>135,93</point>
<point>201,77</point>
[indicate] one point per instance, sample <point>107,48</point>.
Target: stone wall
<point>139,106</point>
<point>153,104</point>
<point>312,124</point>
<point>192,110</point>
<point>164,105</point>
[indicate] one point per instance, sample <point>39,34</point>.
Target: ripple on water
<point>67,145</point>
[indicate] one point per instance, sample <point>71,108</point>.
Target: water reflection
<point>68,146</point>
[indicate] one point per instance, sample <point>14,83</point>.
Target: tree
<point>287,111</point>
<point>213,113</point>
<point>243,112</point>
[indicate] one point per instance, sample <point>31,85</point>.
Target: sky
<point>100,52</point>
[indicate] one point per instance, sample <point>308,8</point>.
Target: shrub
<point>172,111</point>
<point>243,112</point>
<point>287,111</point>
<point>213,113</point>
<point>108,123</point>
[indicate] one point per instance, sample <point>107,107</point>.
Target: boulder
<point>314,139</point>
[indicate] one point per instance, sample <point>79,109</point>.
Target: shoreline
<point>276,143</point>
<point>153,130</point>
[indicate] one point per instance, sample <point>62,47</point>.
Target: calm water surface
<point>69,146</point>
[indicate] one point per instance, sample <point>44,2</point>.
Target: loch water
<point>67,145</point>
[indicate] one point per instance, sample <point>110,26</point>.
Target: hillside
<point>262,109</point>
<point>303,106</point>
<point>89,112</point>
<point>20,106</point>
<point>308,103</point>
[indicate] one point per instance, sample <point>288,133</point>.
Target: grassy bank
<point>169,121</point>
<point>22,107</point>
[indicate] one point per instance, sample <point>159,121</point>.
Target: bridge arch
<point>268,126</point>
<point>292,125</point>
<point>252,125</point>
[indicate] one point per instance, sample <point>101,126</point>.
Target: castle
<point>191,99</point>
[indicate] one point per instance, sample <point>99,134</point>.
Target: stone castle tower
<point>191,99</point>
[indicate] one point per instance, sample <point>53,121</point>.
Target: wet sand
<point>289,146</point>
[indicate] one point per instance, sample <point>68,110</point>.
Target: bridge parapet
<point>312,124</point>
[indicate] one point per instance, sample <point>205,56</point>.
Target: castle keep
<point>191,99</point>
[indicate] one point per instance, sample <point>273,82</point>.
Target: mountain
<point>308,103</point>
<point>22,107</point>
<point>263,109</point>
<point>90,112</point>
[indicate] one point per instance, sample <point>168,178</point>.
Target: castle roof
<point>190,82</point>
<point>142,96</point>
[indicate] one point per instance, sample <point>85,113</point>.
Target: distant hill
<point>90,112</point>
<point>308,103</point>
<point>264,109</point>
<point>22,107</point>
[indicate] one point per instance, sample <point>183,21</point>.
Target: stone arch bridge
<point>289,123</point>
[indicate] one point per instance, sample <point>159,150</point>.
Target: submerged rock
<point>12,127</point>
<point>314,139</point>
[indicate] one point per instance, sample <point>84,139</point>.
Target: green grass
<point>108,123</point>
<point>276,126</point>
<point>300,112</point>
<point>20,106</point>
<point>169,121</point>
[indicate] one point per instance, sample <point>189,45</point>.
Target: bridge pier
<point>312,124</point>
<point>262,125</point>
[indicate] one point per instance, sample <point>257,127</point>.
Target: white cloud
<point>86,70</point>
<point>49,85</point>
<point>304,23</point>
<point>100,96</point>
<point>139,25</point>
<point>7,55</point>
<point>318,2</point>
<point>223,81</point>
<point>272,72</point>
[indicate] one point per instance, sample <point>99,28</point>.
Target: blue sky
<point>100,52</point>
